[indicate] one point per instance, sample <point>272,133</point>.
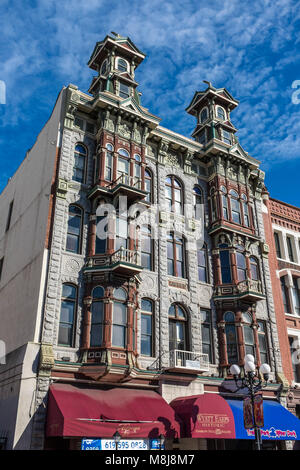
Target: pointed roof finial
<point>115,34</point>
<point>208,83</point>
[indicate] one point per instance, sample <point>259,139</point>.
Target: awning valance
<point>279,423</point>
<point>206,416</point>
<point>75,411</point>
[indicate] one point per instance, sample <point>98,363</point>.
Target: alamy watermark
<point>2,92</point>
<point>296,94</point>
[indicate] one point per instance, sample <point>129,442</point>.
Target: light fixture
<point>235,370</point>
<point>265,370</point>
<point>249,366</point>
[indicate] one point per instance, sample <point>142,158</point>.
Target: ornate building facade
<point>145,308</point>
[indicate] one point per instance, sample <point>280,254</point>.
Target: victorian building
<point>116,332</point>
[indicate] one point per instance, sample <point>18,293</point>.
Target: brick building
<point>127,328</point>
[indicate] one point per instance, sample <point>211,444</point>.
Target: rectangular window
<point>201,137</point>
<point>146,335</point>
<point>262,342</point>
<point>277,245</point>
<point>294,346</point>
<point>290,248</point>
<point>226,137</point>
<point>108,166</point>
<point>1,267</point>
<point>119,325</point>
<point>285,295</point>
<point>124,90</point>
<point>296,296</point>
<point>206,331</point>
<point>11,205</point>
<point>225,267</point>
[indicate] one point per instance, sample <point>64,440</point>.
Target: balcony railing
<point>249,288</point>
<point>127,180</point>
<point>177,359</point>
<point>249,285</point>
<point>130,186</point>
<point>123,261</point>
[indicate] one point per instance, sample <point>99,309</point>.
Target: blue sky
<point>251,48</point>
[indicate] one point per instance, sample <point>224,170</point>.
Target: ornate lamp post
<point>253,382</point>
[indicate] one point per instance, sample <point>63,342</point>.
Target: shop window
<point>177,328</point>
<point>74,230</point>
<point>97,321</point>
<point>67,315</point>
<point>147,311</point>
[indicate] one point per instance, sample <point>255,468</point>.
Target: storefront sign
<point>274,433</point>
<point>124,444</point>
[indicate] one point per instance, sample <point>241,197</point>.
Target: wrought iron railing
<point>178,359</point>
<point>132,181</point>
<point>126,256</point>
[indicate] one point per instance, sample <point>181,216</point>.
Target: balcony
<point>122,261</point>
<point>248,289</point>
<point>128,186</point>
<point>182,361</point>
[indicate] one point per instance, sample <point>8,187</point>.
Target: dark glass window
<point>226,137</point>
<point>254,269</point>
<point>80,163</point>
<point>173,193</point>
<point>147,327</point>
<point>104,67</point>
<point>197,202</point>
<point>74,229</point>
<point>224,202</point>
<point>97,317</point>
<point>248,335</point>
<point>147,248</point>
<point>122,65</point>
<point>202,264</point>
<point>290,248</point>
<point>231,338</point>
<point>201,137</point>
<point>241,266</point>
<point>119,318</point>
<point>176,256</point>
<point>206,329</point>
<point>296,295</point>
<point>67,315</point>
<point>285,295</point>
<point>203,115</point>
<point>262,342</point>
<point>221,113</point>
<point>225,267</point>
<point>277,245</point>
<point>11,205</point>
<point>124,90</point>
<point>148,185</point>
<point>177,328</point>
<point>235,207</point>
<point>109,162</point>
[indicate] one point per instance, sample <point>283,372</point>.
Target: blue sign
<point>124,444</point>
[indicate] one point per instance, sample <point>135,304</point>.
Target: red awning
<point>207,416</point>
<point>87,412</point>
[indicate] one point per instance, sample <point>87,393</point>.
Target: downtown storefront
<point>90,419</point>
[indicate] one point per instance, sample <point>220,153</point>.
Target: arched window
<point>245,210</point>
<point>123,166</point>
<point>241,263</point>
<point>225,264</point>
<point>221,113</point>
<point>137,167</point>
<point>248,335</point>
<point>177,328</point>
<point>235,207</point>
<point>122,65</point>
<point>147,247</point>
<point>119,318</point>
<point>109,162</point>
<point>203,115</point>
<point>254,267</point>
<point>103,67</point>
<point>148,186</point>
<point>202,263</point>
<point>231,338</point>
<point>224,202</point>
<point>173,193</point>
<point>74,229</point>
<point>176,255</point>
<point>147,327</point>
<point>80,157</point>
<point>97,317</point>
<point>197,202</point>
<point>67,315</point>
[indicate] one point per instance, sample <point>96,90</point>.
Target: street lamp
<point>117,437</point>
<point>253,382</point>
